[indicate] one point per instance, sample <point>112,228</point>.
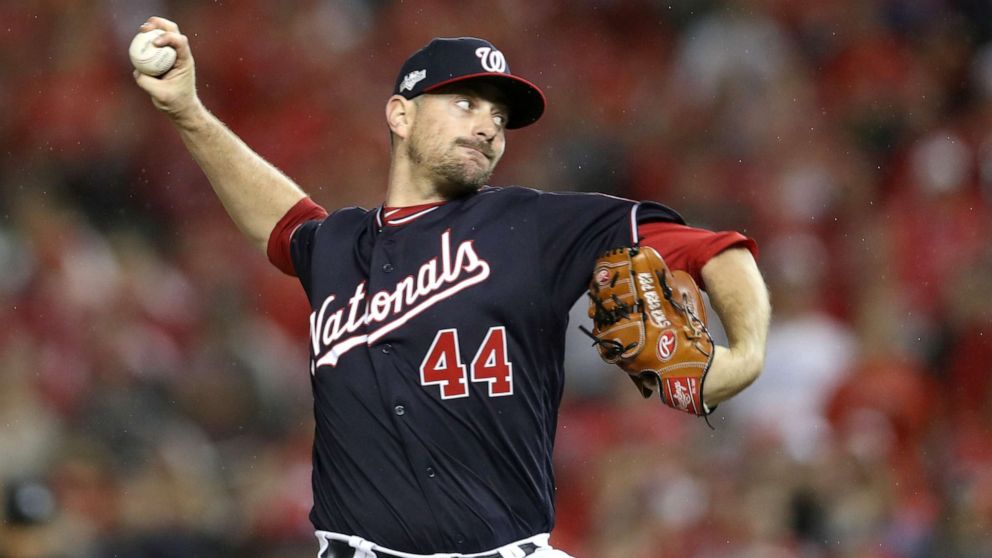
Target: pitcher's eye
<point>463,104</point>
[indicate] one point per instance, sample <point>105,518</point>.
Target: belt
<point>341,549</point>
<point>336,545</point>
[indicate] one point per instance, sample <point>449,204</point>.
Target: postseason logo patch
<point>412,79</point>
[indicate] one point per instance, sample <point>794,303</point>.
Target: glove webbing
<point>613,349</point>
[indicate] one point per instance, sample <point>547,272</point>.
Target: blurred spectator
<point>808,351</point>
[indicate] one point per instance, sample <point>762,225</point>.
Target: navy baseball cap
<point>450,60</point>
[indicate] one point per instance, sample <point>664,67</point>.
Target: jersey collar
<point>396,216</point>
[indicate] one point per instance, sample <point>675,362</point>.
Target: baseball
<point>148,58</point>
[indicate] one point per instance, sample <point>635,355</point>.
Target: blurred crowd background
<point>154,390</point>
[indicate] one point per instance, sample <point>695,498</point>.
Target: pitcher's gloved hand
<point>651,322</point>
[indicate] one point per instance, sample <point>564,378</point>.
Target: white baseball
<point>148,58</point>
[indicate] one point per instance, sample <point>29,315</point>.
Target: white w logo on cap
<point>492,59</point>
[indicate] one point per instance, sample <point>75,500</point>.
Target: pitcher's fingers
<point>155,22</point>
<point>146,82</point>
<point>176,41</point>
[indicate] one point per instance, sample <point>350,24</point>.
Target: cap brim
<point>524,99</point>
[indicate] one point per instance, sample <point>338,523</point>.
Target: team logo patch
<point>602,277</point>
<point>491,59</point>
<point>666,344</point>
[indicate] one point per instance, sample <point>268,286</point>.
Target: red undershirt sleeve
<point>278,247</point>
<point>688,248</point>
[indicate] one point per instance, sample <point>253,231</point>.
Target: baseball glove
<point>651,322</point>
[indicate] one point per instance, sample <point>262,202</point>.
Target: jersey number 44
<point>443,365</point>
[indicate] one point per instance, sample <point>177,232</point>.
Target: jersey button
<point>386,349</point>
<point>388,268</point>
<point>430,472</point>
<point>399,410</point>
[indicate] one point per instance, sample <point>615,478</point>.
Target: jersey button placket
<point>388,244</point>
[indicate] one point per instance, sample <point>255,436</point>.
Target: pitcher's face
<point>458,135</point>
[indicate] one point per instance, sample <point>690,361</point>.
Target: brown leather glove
<point>651,322</point>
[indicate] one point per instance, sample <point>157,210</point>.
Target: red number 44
<point>443,365</point>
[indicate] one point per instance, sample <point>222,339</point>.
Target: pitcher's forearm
<point>739,296</point>
<point>254,192</point>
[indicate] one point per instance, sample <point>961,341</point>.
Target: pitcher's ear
<point>399,115</point>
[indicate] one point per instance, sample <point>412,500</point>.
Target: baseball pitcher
<point>438,319</point>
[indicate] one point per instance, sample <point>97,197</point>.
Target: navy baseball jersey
<point>436,349</point>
